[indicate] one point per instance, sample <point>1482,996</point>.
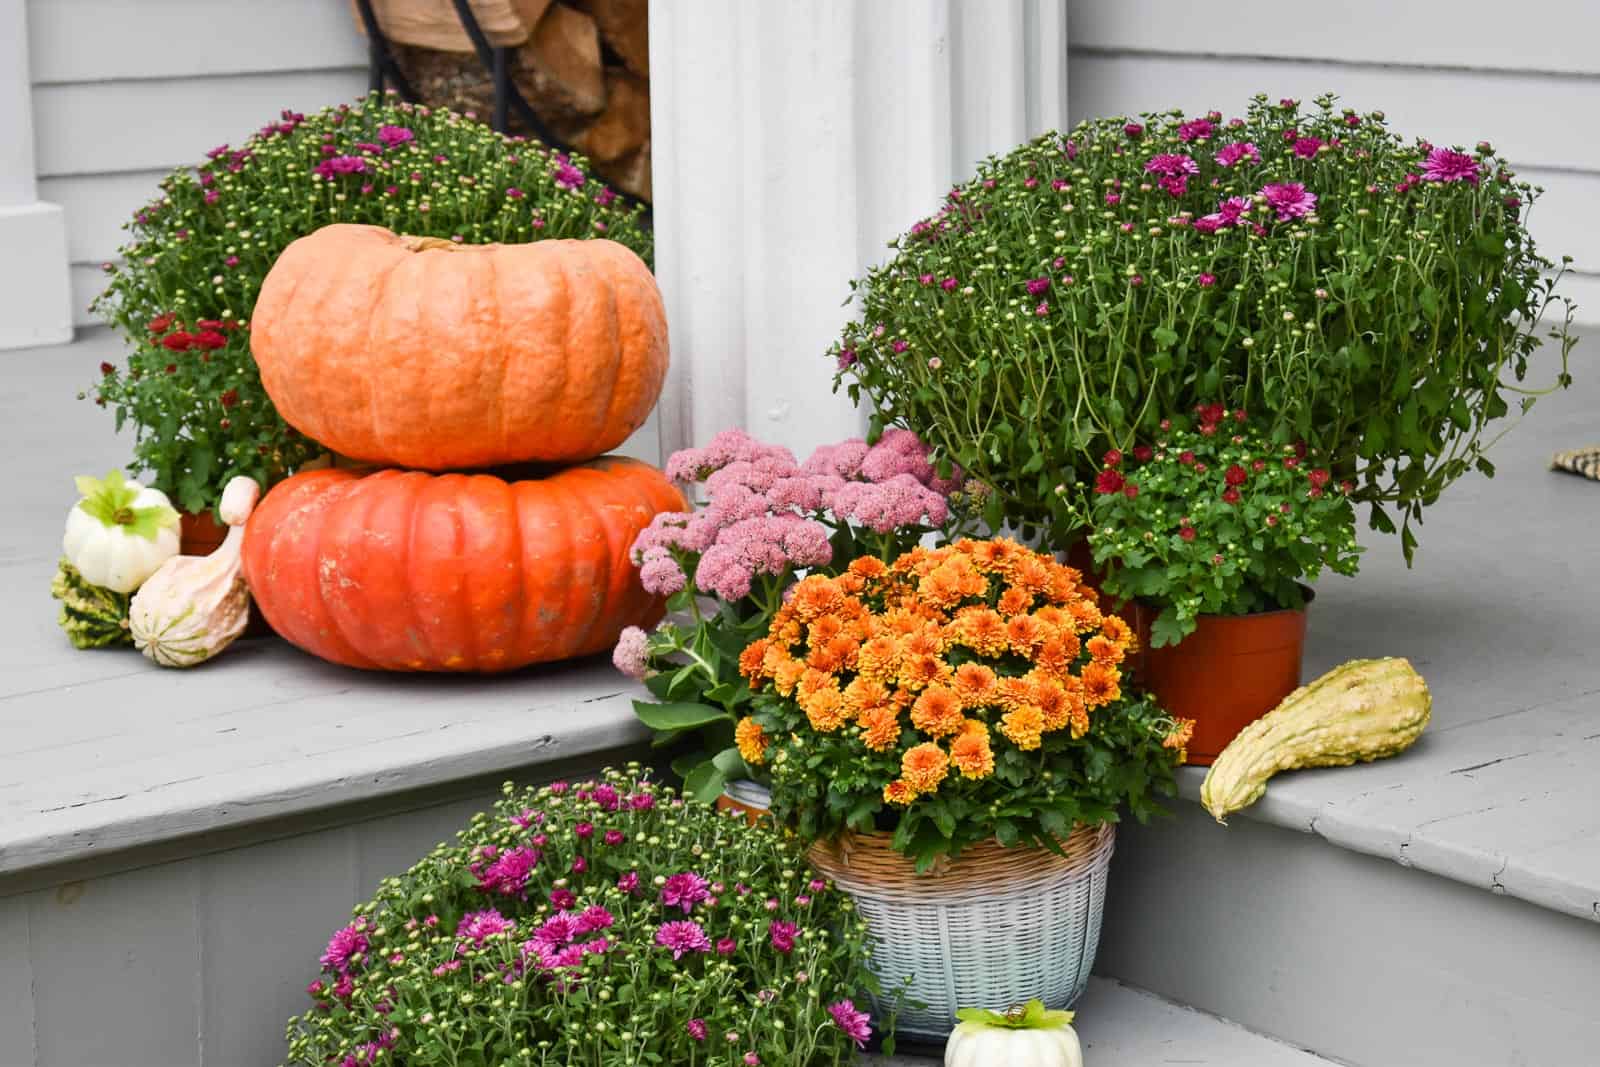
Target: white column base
<point>35,282</point>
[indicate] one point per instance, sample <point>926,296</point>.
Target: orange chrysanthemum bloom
<point>1024,634</point>
<point>898,792</point>
<point>865,693</point>
<point>879,658</point>
<point>1085,615</point>
<point>1079,719</point>
<point>869,567</point>
<point>971,754</point>
<point>1052,615</point>
<point>814,597</point>
<point>753,657</point>
<point>1114,627</point>
<point>1104,650</point>
<point>1180,735</point>
<point>941,588</point>
<point>937,711</point>
<point>850,584</point>
<point>824,659</point>
<point>927,641</point>
<point>982,630</point>
<point>824,709</point>
<point>1063,587</point>
<point>903,622</point>
<point>1051,698</point>
<point>880,728</point>
<point>787,676</point>
<point>1015,601</point>
<point>976,685</point>
<point>823,629</point>
<point>752,742</point>
<point>1014,692</point>
<point>814,679</point>
<point>1101,685</point>
<point>924,766</point>
<point>919,672</point>
<point>1032,574</point>
<point>1023,726</point>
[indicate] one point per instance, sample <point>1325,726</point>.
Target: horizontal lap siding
<point>1456,73</point>
<point>124,93</point>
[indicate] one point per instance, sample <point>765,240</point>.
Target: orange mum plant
<point>954,695</point>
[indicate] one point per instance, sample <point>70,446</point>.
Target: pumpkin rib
<point>613,321</point>
<point>601,581</point>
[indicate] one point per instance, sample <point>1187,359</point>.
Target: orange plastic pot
<point>1231,671</point>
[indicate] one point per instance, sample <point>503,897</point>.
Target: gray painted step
<point>1120,1026</point>
<point>1356,958</point>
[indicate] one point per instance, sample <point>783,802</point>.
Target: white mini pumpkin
<point>1029,1036</point>
<point>120,532</point>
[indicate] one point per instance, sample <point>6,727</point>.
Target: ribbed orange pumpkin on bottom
<point>408,571</point>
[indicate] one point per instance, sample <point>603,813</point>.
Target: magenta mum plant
<point>1378,298</point>
<point>607,921</point>
<point>765,519</point>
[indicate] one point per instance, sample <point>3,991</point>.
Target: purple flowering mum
<point>682,937</point>
<point>684,891</point>
<point>856,1024</point>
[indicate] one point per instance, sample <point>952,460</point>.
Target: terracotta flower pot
<point>752,798</point>
<point>1231,671</point>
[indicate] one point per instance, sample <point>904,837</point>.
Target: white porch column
<point>35,291</point>
<point>792,139</point>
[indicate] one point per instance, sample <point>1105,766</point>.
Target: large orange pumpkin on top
<point>404,570</point>
<point>419,352</point>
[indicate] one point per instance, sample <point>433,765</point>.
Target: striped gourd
<point>1363,710</point>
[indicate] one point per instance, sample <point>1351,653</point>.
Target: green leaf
<point>1165,336</point>
<point>705,783</point>
<point>678,716</point>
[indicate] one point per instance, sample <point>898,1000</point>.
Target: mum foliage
<point>953,695</point>
<point>597,923</point>
<point>196,256</point>
<point>1216,519</point>
<point>1378,300</point>
<point>766,518</point>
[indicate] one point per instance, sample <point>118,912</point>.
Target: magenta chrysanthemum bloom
<point>726,946</point>
<point>606,796</point>
<point>1443,165</point>
<point>508,874</point>
<point>782,934</point>
<point>562,899</point>
<point>1037,286</point>
<point>1234,208</point>
<point>479,926</point>
<point>593,919</point>
<point>856,1024</point>
<point>1306,147</point>
<point>1175,185</point>
<point>1230,154</point>
<point>633,646</point>
<point>1172,164</point>
<point>681,937</point>
<point>1291,200</point>
<point>684,891</point>
<point>696,1029</point>
<point>394,136</point>
<point>629,883</point>
<point>1195,129</point>
<point>345,944</point>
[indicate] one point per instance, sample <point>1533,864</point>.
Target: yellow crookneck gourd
<point>1363,710</point>
<point>195,606</point>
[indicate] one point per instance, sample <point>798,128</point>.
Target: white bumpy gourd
<point>195,606</point>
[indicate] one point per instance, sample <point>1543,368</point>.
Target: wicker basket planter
<point>995,928</point>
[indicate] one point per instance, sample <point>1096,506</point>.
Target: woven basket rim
<point>866,861</point>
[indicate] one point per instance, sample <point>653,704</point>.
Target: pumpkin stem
<point>413,243</point>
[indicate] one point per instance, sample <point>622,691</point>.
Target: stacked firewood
<point>582,65</point>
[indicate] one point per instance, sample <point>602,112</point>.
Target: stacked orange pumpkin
<point>421,356</point>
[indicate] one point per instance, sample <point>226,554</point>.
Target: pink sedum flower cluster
<point>766,513</point>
